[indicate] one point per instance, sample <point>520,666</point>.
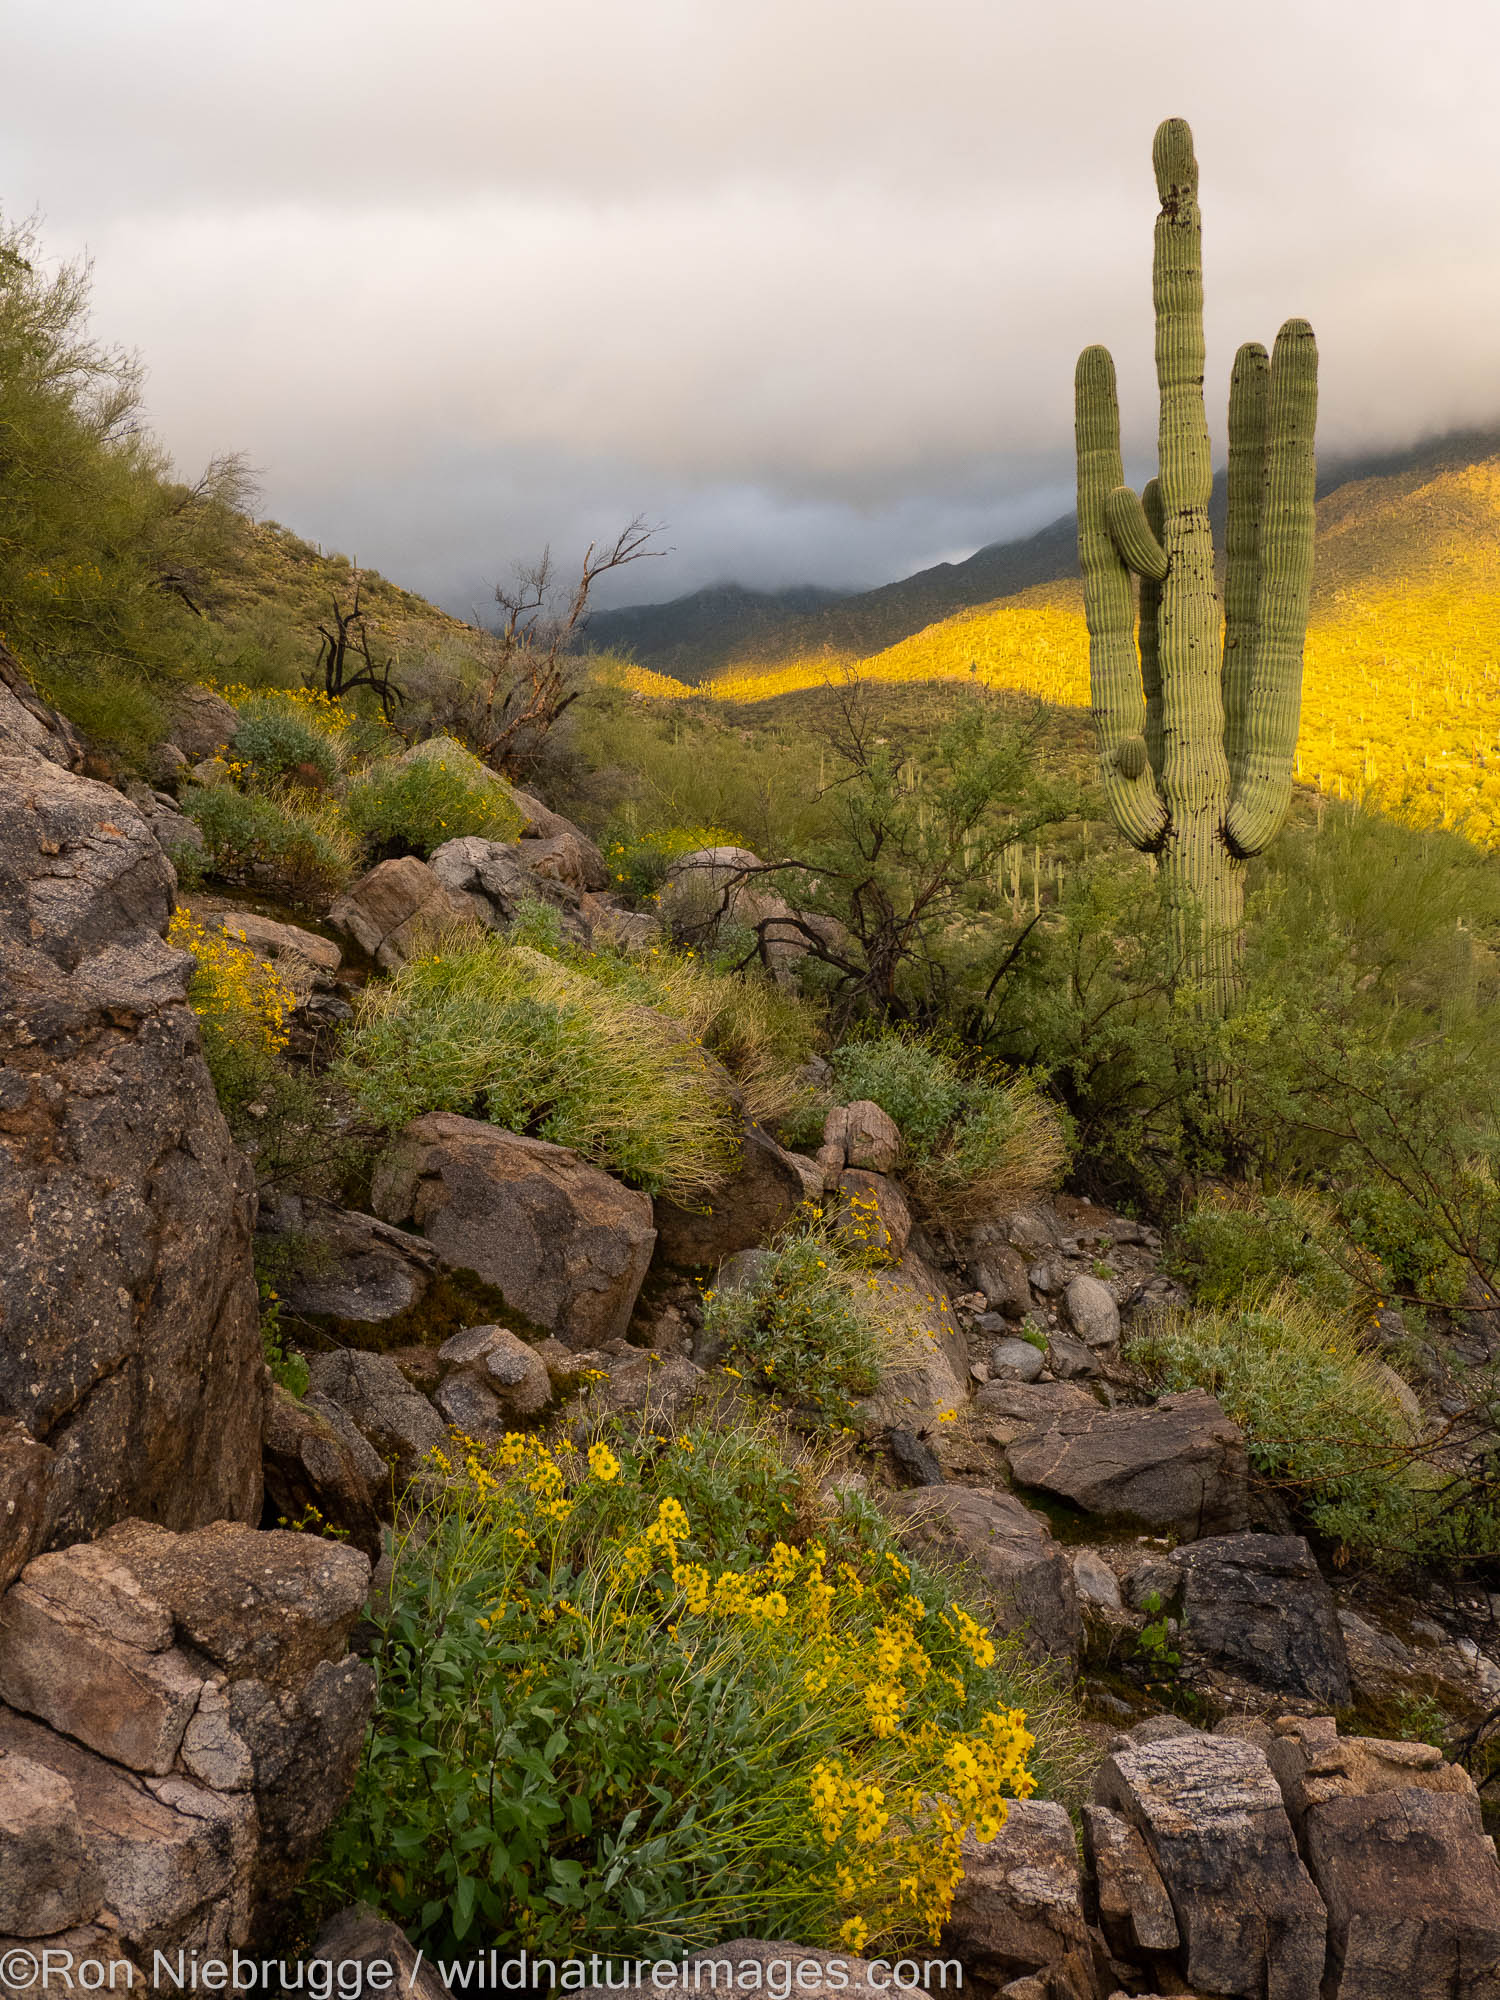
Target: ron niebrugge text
<point>55,1969</point>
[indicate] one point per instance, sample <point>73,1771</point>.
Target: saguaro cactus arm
<point>1150,609</point>
<point>1133,535</point>
<point>1194,771</point>
<point>1116,689</point>
<point>1249,385</point>
<point>1282,592</point>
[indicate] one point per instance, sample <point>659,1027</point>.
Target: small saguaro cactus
<point>1197,715</point>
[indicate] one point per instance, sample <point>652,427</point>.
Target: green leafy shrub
<point>1316,1414</point>
<point>285,733</point>
<point>645,1701</point>
<point>278,839</point>
<point>438,792</point>
<point>1238,1241</point>
<point>496,1030</point>
<point>641,863</point>
<point>808,1328</point>
<point>976,1141</point>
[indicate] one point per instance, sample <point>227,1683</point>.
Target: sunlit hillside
<point>1402,688</point>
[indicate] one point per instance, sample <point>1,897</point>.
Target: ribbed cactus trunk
<point>1196,710</point>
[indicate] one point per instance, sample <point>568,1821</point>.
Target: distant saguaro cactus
<point>1197,725</point>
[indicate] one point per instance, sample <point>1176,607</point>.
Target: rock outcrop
<point>395,911</point>
<point>129,1324</point>
<point>1180,1467</point>
<point>567,1246</point>
<point>180,1725</point>
<point>761,1196</point>
<point>1009,1552</point>
<point>1209,1813</point>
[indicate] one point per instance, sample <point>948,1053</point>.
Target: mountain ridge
<point>695,636</point>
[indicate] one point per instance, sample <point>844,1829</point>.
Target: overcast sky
<point>802,279</point>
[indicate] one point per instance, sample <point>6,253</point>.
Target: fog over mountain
<point>803,282</point>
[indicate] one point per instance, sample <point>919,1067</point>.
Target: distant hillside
<point>696,637</point>
<point>1401,695</point>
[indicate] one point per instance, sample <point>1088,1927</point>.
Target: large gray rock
<point>1135,1911</point>
<point>313,1462</point>
<point>396,911</point>
<point>1092,1310</point>
<point>566,1245</point>
<point>1020,1903</point>
<point>129,1323</point>
<point>393,1417</point>
<point>923,1358</point>
<point>1180,1467</point>
<point>1396,1846</point>
<point>1026,1578</point>
<point>1211,1817</point>
<point>760,1198</point>
<point>1258,1605</point>
<point>30,726</point>
<point>166,1860</point>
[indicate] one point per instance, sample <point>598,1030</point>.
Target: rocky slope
<point>180,1713</point>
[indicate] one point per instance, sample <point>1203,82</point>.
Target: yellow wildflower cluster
<point>329,715</point>
<point>233,991</point>
<point>891,1758</point>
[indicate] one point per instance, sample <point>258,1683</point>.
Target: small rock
<point>510,1370</point>
<point>1069,1359</point>
<point>1096,1581</point>
<point>1092,1309</point>
<point>872,1139</point>
<point>915,1458</point>
<point>1018,1358</point>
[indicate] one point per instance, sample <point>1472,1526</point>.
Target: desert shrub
<point>289,732</point>
<point>284,839</point>
<point>760,1032</point>
<point>807,1328</point>
<point>1239,1241</point>
<point>242,1004</point>
<point>1317,1417</point>
<point>641,863</point>
<point>438,793</point>
<point>645,1698</point>
<point>976,1139</point>
<point>496,1030</point>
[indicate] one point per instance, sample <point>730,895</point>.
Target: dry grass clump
<point>500,1031</point>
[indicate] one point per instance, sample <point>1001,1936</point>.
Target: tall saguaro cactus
<point>1196,710</point>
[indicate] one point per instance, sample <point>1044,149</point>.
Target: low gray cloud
<point>805,282</point>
